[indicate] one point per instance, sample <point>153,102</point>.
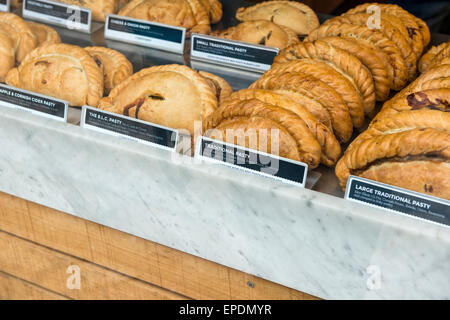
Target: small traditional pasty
<point>62,71</point>
<point>7,59</point>
<point>291,14</point>
<point>214,7</point>
<point>99,8</point>
<point>17,29</point>
<point>116,67</point>
<point>260,32</point>
<point>377,38</point>
<point>417,159</point>
<point>251,124</point>
<point>221,87</point>
<point>371,58</point>
<point>353,112</point>
<point>44,34</point>
<point>344,63</point>
<point>390,31</point>
<point>331,150</point>
<point>174,96</point>
<point>189,14</point>
<point>329,100</point>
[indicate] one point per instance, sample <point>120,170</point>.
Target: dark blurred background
<point>435,13</point>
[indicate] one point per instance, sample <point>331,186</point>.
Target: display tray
<point>316,241</point>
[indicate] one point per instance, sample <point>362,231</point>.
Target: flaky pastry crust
<point>62,71</point>
<point>295,140</point>
<point>221,86</point>
<point>429,57</point>
<point>260,32</point>
<point>170,95</point>
<point>116,67</point>
<point>343,62</point>
<point>7,57</point>
<point>44,34</point>
<point>291,14</point>
<point>331,149</point>
<point>17,29</point>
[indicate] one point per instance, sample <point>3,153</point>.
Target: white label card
<point>38,104</point>
<point>268,165</point>
<point>57,13</point>
<point>145,33</point>
<point>232,53</point>
<point>398,200</point>
<point>126,127</point>
<point>4,5</point>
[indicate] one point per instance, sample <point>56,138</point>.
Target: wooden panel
<point>171,269</point>
<point>49,269</point>
<point>12,288</point>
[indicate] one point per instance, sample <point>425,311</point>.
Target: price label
<point>232,53</point>
<point>57,13</point>
<point>4,5</point>
<point>145,33</point>
<point>32,102</point>
<point>398,200</point>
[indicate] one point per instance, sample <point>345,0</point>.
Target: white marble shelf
<point>303,239</point>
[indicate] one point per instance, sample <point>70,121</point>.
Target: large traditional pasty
<point>214,7</point>
<point>260,32</point>
<point>189,14</point>
<point>62,71</point>
<point>174,96</point>
<point>251,123</point>
<point>335,79</point>
<point>417,159</point>
<point>7,59</point>
<point>116,67</point>
<point>17,29</point>
<point>330,101</point>
<point>390,31</point>
<point>371,58</point>
<point>343,62</point>
<point>221,86</point>
<point>430,99</point>
<point>99,8</point>
<point>44,34</point>
<point>294,15</point>
<point>377,38</point>
<point>331,149</point>
<point>434,56</point>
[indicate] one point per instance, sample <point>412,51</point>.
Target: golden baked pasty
<point>99,8</point>
<point>331,150</point>
<point>214,7</point>
<point>260,32</point>
<point>416,27</point>
<point>336,80</point>
<point>371,58</point>
<point>116,67</point>
<point>417,159</point>
<point>391,32</point>
<point>62,71</point>
<point>291,14</point>
<point>189,14</point>
<point>377,38</point>
<point>314,89</point>
<point>430,99</point>
<point>17,29</point>
<point>251,124</point>
<point>174,96</point>
<point>7,59</point>
<point>404,121</point>
<point>344,63</point>
<point>221,86</point>
<point>434,56</point>
<point>44,34</point>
